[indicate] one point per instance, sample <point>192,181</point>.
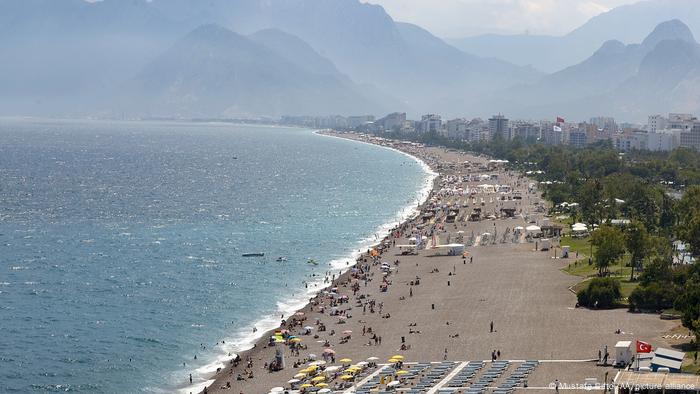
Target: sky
<point>461,18</point>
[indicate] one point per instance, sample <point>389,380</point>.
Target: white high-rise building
<point>656,123</point>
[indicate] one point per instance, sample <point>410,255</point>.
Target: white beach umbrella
<point>533,228</point>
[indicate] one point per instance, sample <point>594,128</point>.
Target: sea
<point>121,243</point>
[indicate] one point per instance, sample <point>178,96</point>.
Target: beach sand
<point>523,291</point>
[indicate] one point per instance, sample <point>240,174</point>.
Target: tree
<point>638,244</point>
<point>600,293</point>
<point>610,243</point>
<point>590,199</point>
<point>688,303</point>
<point>689,231</point>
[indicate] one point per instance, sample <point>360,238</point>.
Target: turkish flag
<point>560,119</point>
<point>643,347</point>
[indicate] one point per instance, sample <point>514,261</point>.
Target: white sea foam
<point>245,338</point>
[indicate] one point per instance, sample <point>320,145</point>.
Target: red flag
<point>643,347</point>
<point>560,120</point>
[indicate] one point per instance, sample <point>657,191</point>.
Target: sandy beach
<point>500,296</point>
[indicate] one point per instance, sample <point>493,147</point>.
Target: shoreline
<point>519,287</point>
<point>381,233</point>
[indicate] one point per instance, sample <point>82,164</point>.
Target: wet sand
<point>448,315</point>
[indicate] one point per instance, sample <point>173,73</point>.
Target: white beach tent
<point>579,227</point>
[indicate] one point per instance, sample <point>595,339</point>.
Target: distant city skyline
<point>461,18</point>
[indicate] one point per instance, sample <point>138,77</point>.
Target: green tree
<point>610,243</point>
<point>689,231</point>
<point>688,303</point>
<point>600,293</point>
<point>638,244</point>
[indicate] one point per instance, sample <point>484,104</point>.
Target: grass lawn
<point>689,365</point>
<point>583,269</point>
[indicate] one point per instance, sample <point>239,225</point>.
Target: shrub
<point>600,293</point>
<point>654,296</point>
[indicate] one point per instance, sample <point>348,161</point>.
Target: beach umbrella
<point>312,356</point>
<point>318,379</point>
<point>320,362</point>
<point>324,391</point>
<point>312,367</point>
<point>398,357</point>
<point>322,385</point>
<point>277,389</point>
<point>345,377</point>
<point>295,340</point>
<point>308,328</point>
<point>279,340</point>
<point>372,358</point>
<point>300,375</point>
<point>402,372</point>
<point>305,385</point>
<point>347,332</point>
<point>345,360</point>
<point>333,368</point>
<point>293,381</point>
<point>393,383</point>
<point>362,363</point>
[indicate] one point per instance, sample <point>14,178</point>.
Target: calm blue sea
<point>121,242</point>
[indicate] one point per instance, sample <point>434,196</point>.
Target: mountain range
<point>629,81</point>
<point>627,23</point>
<point>251,58</point>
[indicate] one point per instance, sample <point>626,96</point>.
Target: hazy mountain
<point>214,72</point>
<point>628,24</point>
<point>364,43</point>
<point>627,81</point>
<point>64,55</point>
<point>296,51</point>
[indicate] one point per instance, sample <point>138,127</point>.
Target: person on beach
<point>491,325</point>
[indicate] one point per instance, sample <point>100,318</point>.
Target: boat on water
<point>312,261</point>
<point>253,254</point>
<point>281,259</point>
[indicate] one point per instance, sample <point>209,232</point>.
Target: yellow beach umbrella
<point>305,370</point>
<point>321,385</point>
<point>318,379</point>
<point>345,360</point>
<point>346,377</point>
<point>398,357</point>
<point>305,386</point>
<point>402,373</point>
<point>393,360</point>
<point>312,367</point>
<point>295,340</point>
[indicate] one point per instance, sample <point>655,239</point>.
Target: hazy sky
<point>456,18</point>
